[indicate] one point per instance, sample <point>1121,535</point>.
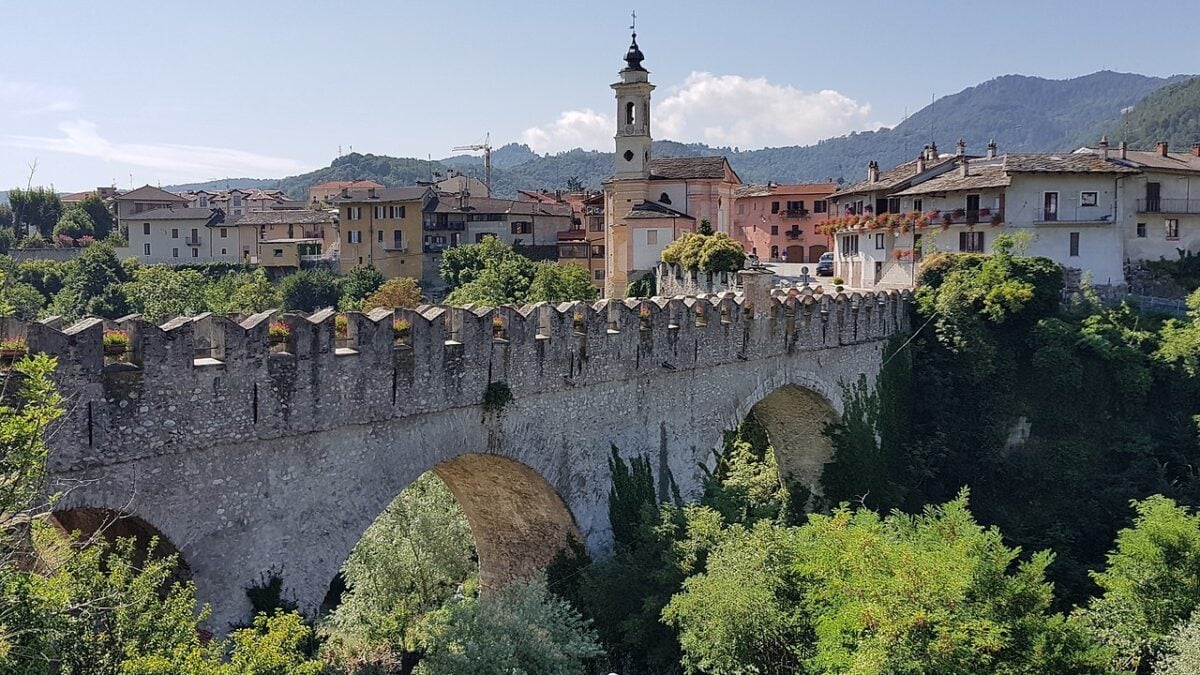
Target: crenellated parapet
<point>197,381</point>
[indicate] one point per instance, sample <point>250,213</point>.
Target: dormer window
<point>203,201</point>
<point>664,198</point>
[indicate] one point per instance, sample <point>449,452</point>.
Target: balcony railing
<point>1168,205</point>
<point>793,213</point>
<point>572,235</point>
<point>794,234</point>
<point>963,216</point>
<point>192,241</point>
<point>1084,215</point>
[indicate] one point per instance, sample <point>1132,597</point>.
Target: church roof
<point>687,167</point>
<point>654,210</point>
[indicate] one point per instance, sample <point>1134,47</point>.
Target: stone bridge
<point>253,460</point>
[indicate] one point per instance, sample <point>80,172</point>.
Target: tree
<point>47,276</point>
<point>6,217</point>
<point>309,290</point>
<point>75,223</point>
<point>39,208</point>
<point>19,299</point>
<point>357,284</point>
<point>646,286</point>
<point>555,283</point>
<point>1181,339</point>
<point>520,628</point>
<point>94,286</point>
<point>705,227</point>
<point>1151,584</point>
<point>462,264</point>
<point>409,562</point>
<point>102,218</point>
<point>1183,654</point>
<point>706,252</point>
<point>160,292</point>
<point>398,292</point>
<point>254,294</point>
<point>854,592</point>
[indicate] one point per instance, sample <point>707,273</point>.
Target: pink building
<point>779,222</point>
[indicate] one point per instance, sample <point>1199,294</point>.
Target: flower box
<point>115,342</point>
<point>278,333</point>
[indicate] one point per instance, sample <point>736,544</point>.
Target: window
<point>971,242</point>
<point>397,239</point>
<point>1090,198</point>
<point>795,205</point>
<point>203,201</point>
<point>819,206</point>
<point>573,251</point>
<point>1050,206</point>
<point>174,232</point>
<point>597,250</point>
<point>521,227</point>
<point>597,224</point>
<point>664,198</point>
<point>918,204</point>
<point>1074,246</point>
<point>277,253</point>
<point>224,251</point>
<point>629,112</point>
<point>146,248</point>
<point>378,212</point>
<point>195,253</point>
<point>652,237</point>
<point>850,244</point>
<point>599,275</point>
<point>237,200</point>
<point>774,229</point>
<point>397,212</point>
<point>741,209</point>
<point>195,235</point>
<point>774,252</point>
<point>879,241</point>
<point>146,229</point>
<point>1172,228</point>
<point>893,205</point>
<point>353,236</point>
<point>353,213</point>
<point>174,253</point>
<point>379,236</point>
<point>224,232</point>
<point>774,207</point>
<point>1141,230</point>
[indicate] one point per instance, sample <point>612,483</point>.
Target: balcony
<point>193,241</point>
<point>572,235</point>
<point>1184,206</point>
<point>964,216</point>
<point>794,234</point>
<point>793,213</point>
<point>1083,215</point>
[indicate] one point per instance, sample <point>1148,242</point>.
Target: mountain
<point>1171,114</point>
<point>1020,113</point>
<point>225,184</point>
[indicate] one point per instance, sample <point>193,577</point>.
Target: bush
<point>357,284</point>
<point>403,292</point>
<point>309,290</point>
<point>707,253</point>
<point>75,223</point>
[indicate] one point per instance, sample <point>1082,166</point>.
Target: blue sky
<point>173,91</point>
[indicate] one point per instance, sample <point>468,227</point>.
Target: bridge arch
<point>795,418</point>
<point>104,525</point>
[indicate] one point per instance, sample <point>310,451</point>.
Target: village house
<point>131,204</point>
<point>780,222</point>
<point>583,244</point>
<point>649,202</point>
<point>237,201</point>
<point>321,194</point>
<point>182,235</point>
<point>382,228</point>
<point>305,225</point>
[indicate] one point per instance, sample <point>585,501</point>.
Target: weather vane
<point>633,23</point>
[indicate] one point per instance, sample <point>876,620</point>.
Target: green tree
<point>160,292</point>
<point>357,284</point>
<point>705,227</point>
<point>309,290</point>
<point>75,223</point>
<point>409,562</point>
<point>463,264</point>
<point>521,628</point>
<point>554,283</point>
<point>6,217</point>
<point>254,294</point>
<point>644,287</point>
<point>38,207</point>
<point>705,252</point>
<point>94,286</point>
<point>1181,339</point>
<point>854,592</point>
<point>502,280</point>
<point>1151,584</point>
<point>102,218</point>
<point>47,276</point>
<point>398,292</point>
<point>1183,653</point>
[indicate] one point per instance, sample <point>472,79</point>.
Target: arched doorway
<point>795,419</point>
<point>795,253</point>
<point>815,251</point>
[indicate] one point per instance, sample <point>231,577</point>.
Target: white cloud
<point>719,110</point>
<point>28,98</point>
<point>81,137</point>
<point>586,129</point>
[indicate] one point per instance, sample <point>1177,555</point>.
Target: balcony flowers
<point>115,341</point>
<point>278,332</point>
<point>12,349</point>
<point>401,329</point>
<point>947,219</point>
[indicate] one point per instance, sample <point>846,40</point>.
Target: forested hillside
<point>1020,113</point>
<point>1170,114</point>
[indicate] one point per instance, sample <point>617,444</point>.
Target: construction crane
<point>486,147</point>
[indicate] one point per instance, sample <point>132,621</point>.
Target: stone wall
<point>672,280</point>
<point>252,462</point>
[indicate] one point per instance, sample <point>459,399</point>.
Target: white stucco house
<point>182,235</point>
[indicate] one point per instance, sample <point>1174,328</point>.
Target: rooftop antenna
<point>932,103</point>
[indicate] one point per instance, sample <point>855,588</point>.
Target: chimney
<point>1196,149</point>
<point>1161,148</point>
<point>1104,147</point>
<point>960,148</point>
<point>921,161</point>
<point>371,193</point>
<point>992,149</point>
<point>1124,150</point>
<point>963,171</point>
<point>873,172</point>
<point>933,153</point>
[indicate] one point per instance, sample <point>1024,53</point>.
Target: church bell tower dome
<point>634,57</point>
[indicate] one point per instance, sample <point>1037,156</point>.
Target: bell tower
<point>633,117</point>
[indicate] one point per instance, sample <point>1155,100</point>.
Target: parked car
<point>825,265</point>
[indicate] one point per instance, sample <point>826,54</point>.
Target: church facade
<point>649,202</point>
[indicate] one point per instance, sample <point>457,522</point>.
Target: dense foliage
<point>706,252</point>
<point>494,273</point>
<point>1168,114</point>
